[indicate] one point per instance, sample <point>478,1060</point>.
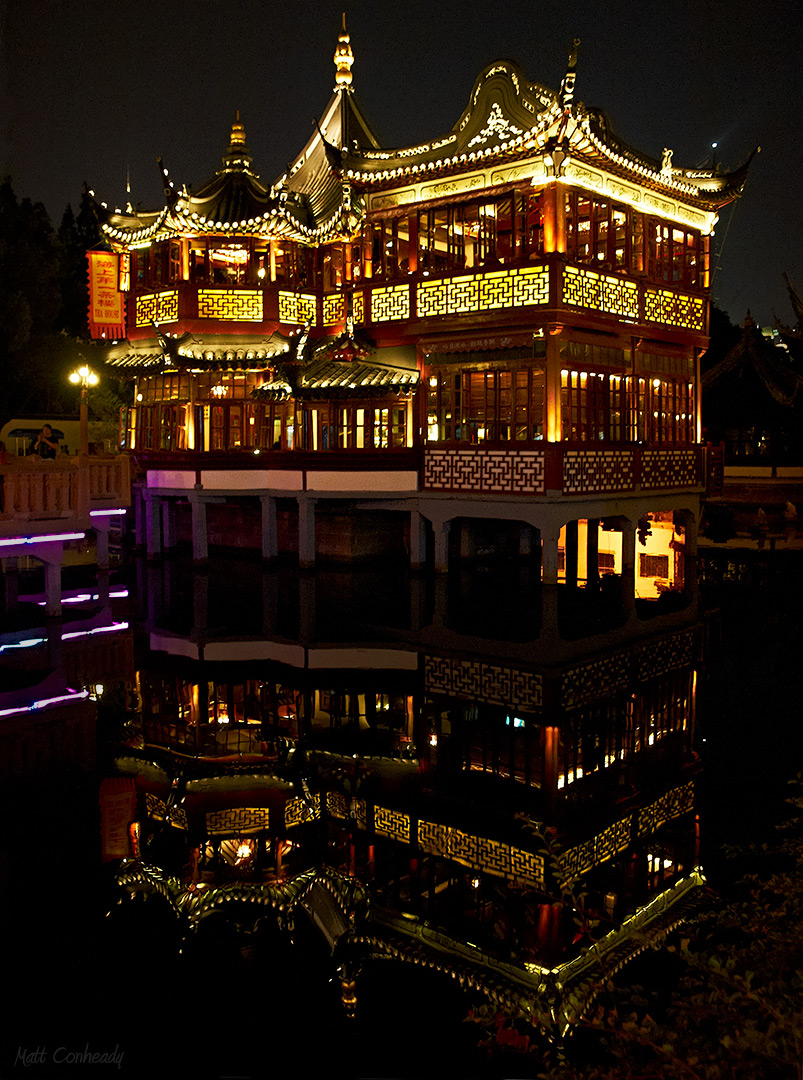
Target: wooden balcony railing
<point>550,284</point>
<point>38,497</point>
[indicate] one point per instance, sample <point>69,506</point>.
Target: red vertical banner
<point>106,302</point>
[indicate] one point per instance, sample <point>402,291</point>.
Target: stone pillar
<point>306,533</point>
<point>441,531</point>
<point>53,588</point>
<point>153,532</point>
<point>306,608</point>
<point>11,582</point>
<point>270,602</point>
<point>140,530</point>
<point>418,540</point>
<point>418,602</point>
<point>167,532</point>
<point>270,540</point>
<point>200,604</point>
<point>103,585</point>
<point>200,541</point>
<point>101,527</point>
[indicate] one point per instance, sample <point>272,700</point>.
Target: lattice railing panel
<point>478,681</point>
<point>237,821</point>
<point>392,823</point>
<point>157,308</point>
<point>390,304</point>
<point>593,471</point>
<point>296,307</point>
<point>524,287</point>
<point>300,810</point>
<point>600,292</point>
<point>334,309</point>
<point>481,853</point>
<point>233,305</point>
<point>670,468</point>
<point>674,309</point>
<point>673,804</point>
<point>514,472</point>
<point>672,653</point>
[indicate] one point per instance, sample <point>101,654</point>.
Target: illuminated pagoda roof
<point>511,119</point>
<point>213,352</point>
<point>508,121</point>
<point>343,366</point>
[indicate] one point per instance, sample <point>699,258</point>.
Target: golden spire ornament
<point>344,58</point>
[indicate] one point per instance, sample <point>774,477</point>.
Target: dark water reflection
<point>417,736</point>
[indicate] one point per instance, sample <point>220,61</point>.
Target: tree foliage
<point>43,304</point>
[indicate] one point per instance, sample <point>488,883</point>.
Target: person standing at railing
<point>46,444</point>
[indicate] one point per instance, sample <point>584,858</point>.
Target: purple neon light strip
<point>76,695</point>
<point>41,539</point>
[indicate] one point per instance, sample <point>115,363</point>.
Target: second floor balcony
<point>550,288</point>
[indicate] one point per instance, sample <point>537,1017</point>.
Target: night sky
<point>91,91</point>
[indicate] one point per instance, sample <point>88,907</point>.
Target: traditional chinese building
<point>495,333</point>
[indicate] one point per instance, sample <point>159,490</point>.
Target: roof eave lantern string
<point>344,58</point>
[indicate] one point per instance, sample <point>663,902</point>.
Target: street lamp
<point>86,377</point>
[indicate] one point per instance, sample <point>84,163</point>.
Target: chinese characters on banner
<point>106,302</point>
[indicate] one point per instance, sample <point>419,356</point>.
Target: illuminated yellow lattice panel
<point>154,806</point>
<point>296,307</point>
<point>600,292</point>
<point>392,823</point>
<point>526,866</point>
<point>613,840</point>
<point>578,860</point>
<point>297,811</point>
<point>674,309</point>
<point>390,304</point>
<point>336,804</point>
<point>234,305</point>
<point>358,307</point>
<point>670,805</point>
<point>483,292</point>
<point>530,286</point>
<point>334,309</point>
<point>492,856</point>
<point>462,847</point>
<point>157,307</point>
<point>237,820</point>
<point>433,838</point>
<point>463,295</point>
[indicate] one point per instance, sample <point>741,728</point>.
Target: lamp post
<point>86,377</point>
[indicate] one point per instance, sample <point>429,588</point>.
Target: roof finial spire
<point>237,155</point>
<point>567,86</point>
<point>344,58</point>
